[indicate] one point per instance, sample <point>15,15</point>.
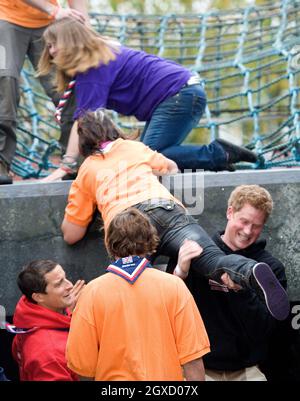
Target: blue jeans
<point>170,124</point>
<point>174,225</point>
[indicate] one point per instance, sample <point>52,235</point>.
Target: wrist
<point>179,272</point>
<point>69,164</point>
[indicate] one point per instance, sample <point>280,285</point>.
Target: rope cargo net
<point>249,63</point>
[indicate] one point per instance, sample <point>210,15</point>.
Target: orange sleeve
<point>81,206</point>
<point>157,161</point>
<point>191,337</point>
<point>20,13</point>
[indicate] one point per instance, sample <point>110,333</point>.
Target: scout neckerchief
<point>129,268</point>
<point>63,100</point>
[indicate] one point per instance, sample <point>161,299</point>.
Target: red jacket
<point>40,353</point>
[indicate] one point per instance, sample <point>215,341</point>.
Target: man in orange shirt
<point>138,323</point>
<point>22,24</point>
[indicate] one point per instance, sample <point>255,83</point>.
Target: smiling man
<point>237,322</point>
<point>43,317</point>
<point>249,206</point>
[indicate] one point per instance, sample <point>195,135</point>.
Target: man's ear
<point>37,297</point>
<point>229,212</point>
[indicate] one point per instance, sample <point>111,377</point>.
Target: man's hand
<point>70,13</point>
<point>58,12</point>
<point>76,291</point>
<point>231,285</point>
<point>188,250</point>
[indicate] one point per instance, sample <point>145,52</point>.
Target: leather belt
<point>193,80</point>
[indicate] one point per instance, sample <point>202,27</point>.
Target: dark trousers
<point>173,225</point>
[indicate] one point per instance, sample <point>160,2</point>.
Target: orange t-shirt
<point>133,332</point>
<point>20,13</point>
<point>116,180</point>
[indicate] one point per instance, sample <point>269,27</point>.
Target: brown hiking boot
<point>5,178</point>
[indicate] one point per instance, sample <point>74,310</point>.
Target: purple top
<point>133,84</point>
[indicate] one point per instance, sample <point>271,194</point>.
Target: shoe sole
<point>275,296</point>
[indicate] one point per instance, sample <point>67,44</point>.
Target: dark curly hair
<point>131,233</point>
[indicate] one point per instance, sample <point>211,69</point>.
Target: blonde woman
<point>167,96</point>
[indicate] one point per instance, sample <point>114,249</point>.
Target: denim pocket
<point>173,104</point>
<point>163,205</point>
<point>166,219</point>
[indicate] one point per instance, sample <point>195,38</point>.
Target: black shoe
<point>268,288</point>
<point>237,153</point>
<point>69,176</point>
<point>5,178</point>
<point>230,167</point>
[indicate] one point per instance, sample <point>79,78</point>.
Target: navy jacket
<point>238,323</point>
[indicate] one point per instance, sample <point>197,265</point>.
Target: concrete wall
<point>31,214</point>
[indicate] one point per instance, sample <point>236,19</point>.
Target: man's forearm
<point>80,5</point>
<point>72,232</point>
<point>194,370</point>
